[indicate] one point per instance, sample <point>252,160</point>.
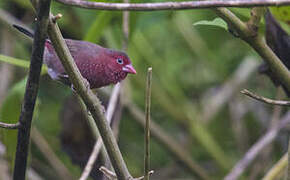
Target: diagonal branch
<point>257,43</point>
<point>172,5</point>
<point>90,99</point>
<point>265,100</point>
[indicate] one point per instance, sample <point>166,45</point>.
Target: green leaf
<point>218,22</point>
<point>20,63</point>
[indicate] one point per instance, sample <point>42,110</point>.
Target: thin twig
<point>9,126</point>
<point>265,100</point>
<point>256,148</point>
<point>278,169</point>
<point>31,90</point>
<point>109,174</point>
<point>172,5</point>
<point>147,125</point>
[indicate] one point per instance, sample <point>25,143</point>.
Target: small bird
<point>98,65</point>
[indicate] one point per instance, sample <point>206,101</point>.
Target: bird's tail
<point>23,30</point>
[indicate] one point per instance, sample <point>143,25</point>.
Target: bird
<point>98,65</point>
<point>279,41</point>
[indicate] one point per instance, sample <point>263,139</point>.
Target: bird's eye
<point>120,61</point>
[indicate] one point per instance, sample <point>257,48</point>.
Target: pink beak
<point>129,69</point>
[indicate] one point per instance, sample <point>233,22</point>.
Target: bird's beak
<point>129,69</point>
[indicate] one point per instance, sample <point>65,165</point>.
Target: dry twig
<point>265,100</point>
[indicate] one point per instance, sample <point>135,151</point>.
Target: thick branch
<point>31,90</point>
<point>92,102</point>
<point>172,5</point>
<point>257,43</point>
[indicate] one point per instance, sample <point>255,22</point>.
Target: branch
<point>31,90</point>
<point>257,43</point>
<point>257,148</point>
<point>172,5</point>
<point>265,100</point>
<point>92,102</point>
<point>9,126</point>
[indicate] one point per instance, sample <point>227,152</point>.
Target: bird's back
<point>82,52</point>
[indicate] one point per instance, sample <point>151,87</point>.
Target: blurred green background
<point>198,72</point>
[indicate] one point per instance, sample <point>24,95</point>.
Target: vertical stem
<point>147,125</point>
<point>31,90</point>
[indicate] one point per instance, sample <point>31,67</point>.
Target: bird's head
<point>119,65</point>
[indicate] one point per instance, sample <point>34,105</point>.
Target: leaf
<point>218,22</point>
<point>281,13</point>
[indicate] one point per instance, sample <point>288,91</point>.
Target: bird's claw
<point>87,84</point>
<point>72,88</point>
